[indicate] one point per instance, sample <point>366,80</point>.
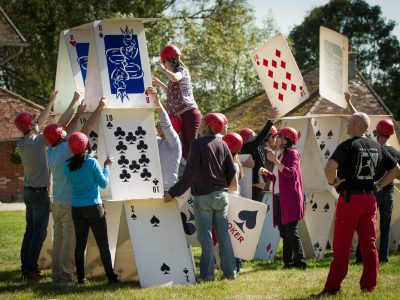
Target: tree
<point>370,35</point>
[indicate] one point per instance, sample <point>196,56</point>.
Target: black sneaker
<point>82,280</point>
<point>300,265</point>
<point>113,279</point>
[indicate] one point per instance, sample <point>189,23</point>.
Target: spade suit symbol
<point>189,228</point>
<point>318,134</point>
<point>326,207</point>
<point>315,206</point>
<point>330,134</point>
<point>322,145</point>
<point>155,221</point>
<point>165,268</point>
<point>248,217</point>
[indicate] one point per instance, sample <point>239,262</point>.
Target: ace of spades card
<point>185,203</point>
<point>245,222</point>
<point>161,253</point>
<point>269,237</point>
<point>129,136</point>
<point>333,67</point>
<point>320,212</point>
<point>326,132</point>
<point>395,222</point>
<point>280,75</point>
<point>120,58</point>
<point>72,61</point>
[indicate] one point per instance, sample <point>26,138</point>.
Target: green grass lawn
<point>258,280</point>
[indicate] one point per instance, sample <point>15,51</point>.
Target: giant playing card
<point>279,74</point>
<point>333,66</point>
<point>121,59</point>
<point>72,60</point>
<point>129,136</point>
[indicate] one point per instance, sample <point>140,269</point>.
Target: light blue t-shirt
<point>56,158</point>
<point>86,182</point>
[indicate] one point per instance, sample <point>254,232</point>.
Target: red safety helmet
<point>52,133</point>
<point>215,121</point>
<point>290,133</point>
<point>234,141</point>
<point>77,142</point>
<point>385,127</point>
<point>176,123</point>
<point>245,132</point>
<point>23,121</point>
<point>224,118</point>
<point>169,51</point>
<point>273,130</point>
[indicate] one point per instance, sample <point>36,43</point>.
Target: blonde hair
<point>236,160</point>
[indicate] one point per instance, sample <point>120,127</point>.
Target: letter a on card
<point>280,75</point>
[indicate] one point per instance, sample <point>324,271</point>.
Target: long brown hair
<point>176,63</point>
<point>236,160</point>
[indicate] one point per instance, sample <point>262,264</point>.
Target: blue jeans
<point>37,218</point>
<point>209,210</point>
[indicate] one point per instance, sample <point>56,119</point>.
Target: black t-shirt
<point>359,159</point>
<point>396,155</point>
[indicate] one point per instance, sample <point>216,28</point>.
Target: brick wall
<point>11,175</point>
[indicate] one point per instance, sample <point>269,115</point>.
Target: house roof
<point>11,105</point>
<point>9,34</point>
<point>254,111</point>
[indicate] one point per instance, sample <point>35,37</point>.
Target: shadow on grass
<point>10,282</point>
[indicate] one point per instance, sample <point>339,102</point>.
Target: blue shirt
<point>86,181</point>
<point>56,158</point>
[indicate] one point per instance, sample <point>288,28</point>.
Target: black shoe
<point>300,265</point>
<point>239,265</point>
<point>112,279</point>
<point>288,266</point>
<point>82,280</point>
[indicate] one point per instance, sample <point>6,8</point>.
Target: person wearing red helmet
<point>253,144</point>
<point>209,172</point>
<point>352,170</point>
<point>86,176</point>
<point>385,197</point>
<point>169,144</point>
<point>288,196</point>
<point>36,182</point>
<point>384,129</point>
<point>180,100</point>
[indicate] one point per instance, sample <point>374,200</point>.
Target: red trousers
<point>359,214</point>
<point>191,120</point>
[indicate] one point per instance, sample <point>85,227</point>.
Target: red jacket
<point>290,188</point>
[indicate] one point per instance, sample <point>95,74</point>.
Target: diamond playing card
<point>72,61</point>
<point>119,66</point>
<point>280,75</point>
<point>129,136</point>
<point>245,222</point>
<point>333,66</point>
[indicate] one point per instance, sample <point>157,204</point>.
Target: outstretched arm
<point>42,119</point>
<point>67,115</point>
<point>174,77</point>
<point>157,82</point>
<point>348,96</point>
<point>74,122</point>
<point>94,119</point>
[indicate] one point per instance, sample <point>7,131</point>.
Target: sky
<point>288,13</point>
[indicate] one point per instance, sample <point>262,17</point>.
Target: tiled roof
<point>9,34</point>
<point>254,111</point>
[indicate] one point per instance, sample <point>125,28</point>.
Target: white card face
<point>123,62</point>
<point>280,75</point>
<point>105,194</point>
<point>93,264</point>
<point>124,264</point>
<point>93,135</point>
<point>326,133</point>
<point>320,211</point>
<point>77,41</point>
<point>333,66</point>
<point>246,182</point>
<point>245,222</point>
<point>161,253</point>
<point>65,83</point>
<point>130,138</point>
<point>269,237</point>
<point>395,222</point>
<point>185,203</point>
<point>313,178</point>
<point>301,125</point>
<point>45,256</point>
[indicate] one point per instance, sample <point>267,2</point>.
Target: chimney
<point>352,64</point>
